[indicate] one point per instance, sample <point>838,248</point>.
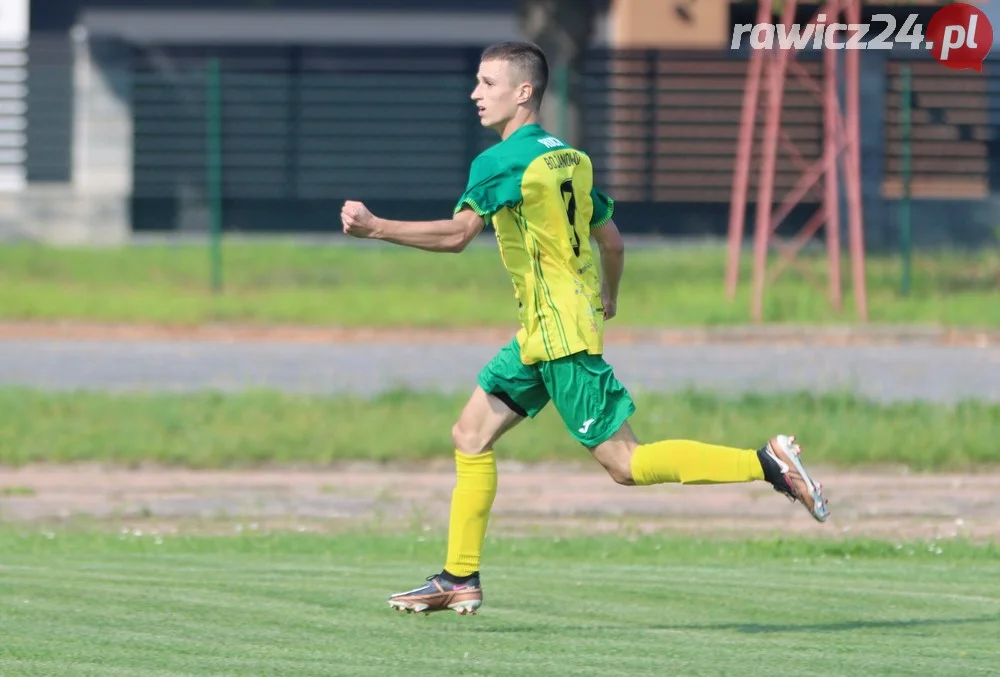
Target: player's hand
<point>357,220</point>
<point>610,306</point>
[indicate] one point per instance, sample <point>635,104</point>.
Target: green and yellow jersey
<point>538,192</point>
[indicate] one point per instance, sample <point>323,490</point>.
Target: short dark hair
<point>528,58</point>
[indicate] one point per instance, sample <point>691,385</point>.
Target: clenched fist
<point>610,304</point>
<point>357,220</point>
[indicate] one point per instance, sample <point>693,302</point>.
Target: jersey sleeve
<point>604,208</point>
<point>492,186</point>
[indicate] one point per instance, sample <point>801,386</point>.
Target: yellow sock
<point>690,462</point>
<point>471,501</point>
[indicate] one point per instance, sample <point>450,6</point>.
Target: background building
<point>109,115</point>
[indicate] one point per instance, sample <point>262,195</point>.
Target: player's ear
<point>524,93</point>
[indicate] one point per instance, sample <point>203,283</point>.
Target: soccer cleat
<point>783,469</point>
<point>440,594</point>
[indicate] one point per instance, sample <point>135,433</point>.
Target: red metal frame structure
<point>841,146</point>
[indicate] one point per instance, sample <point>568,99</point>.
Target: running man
<point>538,194</point>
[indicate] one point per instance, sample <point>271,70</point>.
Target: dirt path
<point>546,498</point>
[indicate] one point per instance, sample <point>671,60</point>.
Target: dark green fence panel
<point>304,128</point>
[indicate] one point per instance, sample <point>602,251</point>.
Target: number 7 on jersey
<point>569,200</point>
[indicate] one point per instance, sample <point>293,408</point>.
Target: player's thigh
<point>592,402</point>
<point>508,392</point>
<point>483,421</point>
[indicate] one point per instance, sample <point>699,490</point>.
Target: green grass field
<point>387,286</point>
<point>212,430</point>
<point>82,599</point>
<point>303,604</point>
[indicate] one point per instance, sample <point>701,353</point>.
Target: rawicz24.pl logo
<point>958,36</point>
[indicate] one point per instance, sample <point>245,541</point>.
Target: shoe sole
<point>467,607</point>
<point>791,452</point>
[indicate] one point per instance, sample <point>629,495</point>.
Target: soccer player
<point>539,195</point>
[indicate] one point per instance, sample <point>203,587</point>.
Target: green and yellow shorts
<point>591,401</point>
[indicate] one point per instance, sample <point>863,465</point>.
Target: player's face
<point>497,93</point>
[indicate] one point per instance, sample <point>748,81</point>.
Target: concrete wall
<point>93,207</point>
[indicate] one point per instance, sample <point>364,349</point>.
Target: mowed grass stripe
<point>775,580</point>
<point>314,605</point>
<point>187,619</point>
<point>216,584</point>
<point>214,430</point>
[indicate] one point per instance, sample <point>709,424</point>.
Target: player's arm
<point>612,248</point>
<point>446,235</point>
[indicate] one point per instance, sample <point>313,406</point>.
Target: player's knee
<point>469,441</point>
<point>615,456</point>
<point>618,466</point>
<point>621,473</point>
